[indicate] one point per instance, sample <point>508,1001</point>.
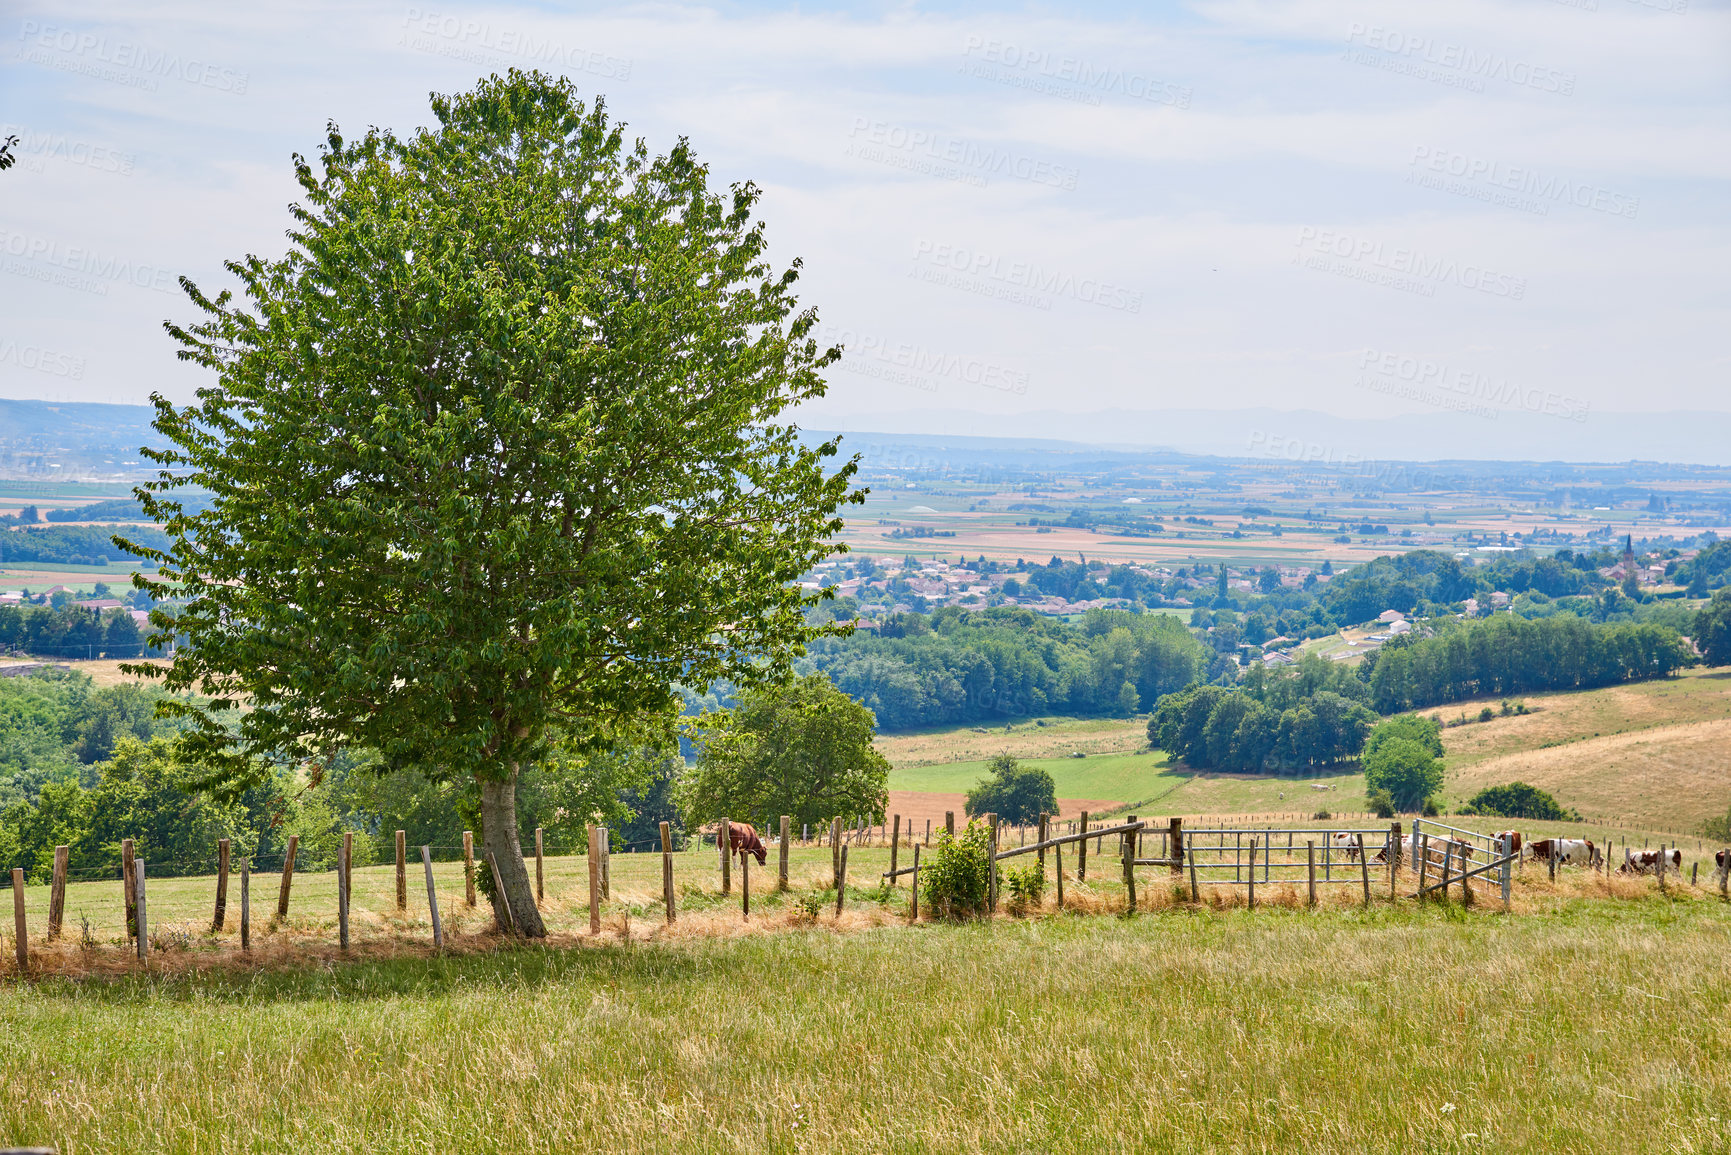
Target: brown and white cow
<point>1647,861</point>
<point>742,839</point>
<point>1510,840</point>
<point>1567,851</point>
<point>1352,844</point>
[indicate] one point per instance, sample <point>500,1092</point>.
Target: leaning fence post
<point>895,844</point>
<point>992,863</point>
<point>402,870</point>
<point>1190,853</point>
<point>667,869</point>
<point>246,904</point>
<point>914,907</point>
<point>781,866</point>
<point>1082,850</point>
<point>469,867</point>
<point>1466,883</point>
<point>216,918</point>
<point>143,918</point>
<point>1058,862</point>
<point>57,893</point>
<point>1310,866</point>
<point>128,888</point>
<point>841,883</point>
<point>433,899</point>
<point>540,887</point>
<point>594,857</point>
<point>1175,848</point>
<point>288,875</point>
<point>20,927</point>
<point>502,901</point>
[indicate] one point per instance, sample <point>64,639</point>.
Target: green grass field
<point>1604,1023</point>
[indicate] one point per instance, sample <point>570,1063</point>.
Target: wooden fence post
<point>724,843</point>
<point>895,846</point>
<point>1058,864</point>
<point>1190,847</point>
<point>217,916</point>
<point>1175,848</point>
<point>1045,825</point>
<point>928,832</point>
<point>781,865</point>
<point>433,899</point>
<point>667,869</point>
<point>1127,841</point>
<point>1310,867</point>
<point>128,888</point>
<point>469,867</point>
<point>288,875</point>
<point>950,823</point>
<point>1448,862</point>
<point>20,927</point>
<point>1364,869</point>
<point>246,904</point>
<point>745,887</point>
<point>143,916</point>
<point>1466,883</point>
<point>914,908</point>
<point>594,857</point>
<point>57,893</point>
<point>1253,873</point>
<point>342,903</point>
<point>503,903</point>
<point>992,863</point>
<point>1724,875</point>
<point>835,848</point>
<point>1082,850</point>
<point>540,884</point>
<point>1393,857</point>
<point>1421,850</point>
<point>348,856</point>
<point>402,870</point>
<point>1507,847</point>
<point>841,883</point>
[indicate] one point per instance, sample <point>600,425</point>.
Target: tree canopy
<point>495,455</point>
<point>1404,768</point>
<point>1017,794</point>
<point>802,748</point>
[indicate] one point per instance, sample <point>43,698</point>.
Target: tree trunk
<point>499,831</point>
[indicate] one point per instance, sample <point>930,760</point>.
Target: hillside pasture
<point>1206,1028</point>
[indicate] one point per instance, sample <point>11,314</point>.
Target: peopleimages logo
<point>42,360</point>
<point>121,61</point>
<point>472,40</point>
<point>1021,282</point>
<point>1516,181</point>
<point>35,148</point>
<point>1461,389</point>
<point>906,363</point>
<point>950,158</point>
<point>1461,66</point>
<point>1068,77</point>
<point>77,267</point>
<point>1411,265</point>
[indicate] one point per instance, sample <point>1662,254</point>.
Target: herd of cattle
<point>1566,851</point>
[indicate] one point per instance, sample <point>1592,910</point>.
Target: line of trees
<point>73,544</point>
<point>1214,728</point>
<point>1510,655</point>
<point>71,632</point>
<point>957,667</point>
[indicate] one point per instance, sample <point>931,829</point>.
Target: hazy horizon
<point>1509,219</point>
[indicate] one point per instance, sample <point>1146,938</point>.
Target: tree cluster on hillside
<point>73,544</point>
<point>1509,655</point>
<point>1519,800</point>
<point>1215,728</point>
<point>1712,629</point>
<point>959,667</point>
<point>71,632</point>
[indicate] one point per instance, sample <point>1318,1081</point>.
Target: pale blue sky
<point>1359,208</point>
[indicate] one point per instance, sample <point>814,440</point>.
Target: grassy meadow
<point>1596,1014</point>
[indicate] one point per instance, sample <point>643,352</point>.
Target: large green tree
<point>496,453</point>
<point>1713,629</point>
<point>1406,769</point>
<point>802,748</point>
<point>1016,793</point>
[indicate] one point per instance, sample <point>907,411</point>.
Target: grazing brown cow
<point>1511,840</point>
<point>742,839</point>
